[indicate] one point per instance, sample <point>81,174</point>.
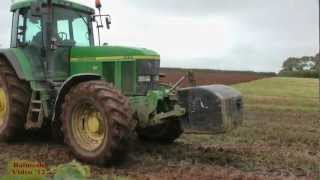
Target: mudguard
<point>211,109</point>
<point>18,62</point>
<point>67,85</point>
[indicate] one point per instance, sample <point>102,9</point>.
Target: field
<point>205,77</point>
<point>279,139</point>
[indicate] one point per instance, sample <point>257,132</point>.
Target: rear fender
<point>18,62</point>
<point>66,87</point>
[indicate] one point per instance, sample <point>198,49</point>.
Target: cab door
<point>27,36</point>
<point>58,54</point>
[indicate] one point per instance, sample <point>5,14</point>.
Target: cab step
<point>35,115</point>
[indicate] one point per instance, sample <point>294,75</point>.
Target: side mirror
<point>108,21</point>
<point>36,8</point>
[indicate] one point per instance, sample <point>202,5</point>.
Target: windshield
<point>72,26</point>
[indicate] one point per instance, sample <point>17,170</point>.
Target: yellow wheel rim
<point>88,127</point>
<point>3,106</point>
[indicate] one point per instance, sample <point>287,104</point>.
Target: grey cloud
<point>5,23</point>
<point>267,31</point>
<point>204,7</point>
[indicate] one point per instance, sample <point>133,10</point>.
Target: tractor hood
<point>112,53</point>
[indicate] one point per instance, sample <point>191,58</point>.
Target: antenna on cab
<point>98,6</point>
<point>100,24</point>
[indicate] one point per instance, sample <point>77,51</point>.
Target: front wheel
<point>97,122</point>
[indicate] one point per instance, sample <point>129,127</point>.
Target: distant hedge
<point>305,67</point>
<point>302,74</point>
<point>267,74</point>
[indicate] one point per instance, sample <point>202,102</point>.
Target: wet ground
<point>239,155</point>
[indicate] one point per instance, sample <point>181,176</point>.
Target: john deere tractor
<point>95,98</point>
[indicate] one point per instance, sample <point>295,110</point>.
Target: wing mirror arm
<point>108,21</point>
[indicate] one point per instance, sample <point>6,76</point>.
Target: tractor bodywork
<point>120,66</point>
<point>52,50</point>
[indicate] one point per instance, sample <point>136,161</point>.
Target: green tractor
<point>95,98</point>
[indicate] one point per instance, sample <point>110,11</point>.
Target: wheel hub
<point>94,123</point>
<point>3,105</point>
<point>88,127</point>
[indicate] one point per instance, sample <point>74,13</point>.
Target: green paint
<point>112,53</point>
<point>69,4</point>
<point>24,63</point>
<point>135,76</point>
<point>118,75</point>
<point>108,71</point>
<point>147,106</point>
<point>115,64</point>
<point>86,67</point>
<point>115,58</point>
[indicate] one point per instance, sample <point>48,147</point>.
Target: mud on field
<point>239,155</point>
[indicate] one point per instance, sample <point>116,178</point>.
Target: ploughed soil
<point>206,77</point>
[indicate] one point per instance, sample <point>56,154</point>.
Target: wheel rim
<point>3,106</point>
<point>88,127</point>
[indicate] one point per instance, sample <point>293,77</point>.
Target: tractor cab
<point>46,33</point>
<point>58,24</point>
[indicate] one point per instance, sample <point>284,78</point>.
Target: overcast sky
<point>218,34</point>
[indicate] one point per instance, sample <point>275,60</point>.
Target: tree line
<point>307,66</point>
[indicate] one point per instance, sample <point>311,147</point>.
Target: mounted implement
<point>94,97</point>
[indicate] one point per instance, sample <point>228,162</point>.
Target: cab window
<point>63,29</point>
<point>72,26</point>
<point>29,29</point>
<point>80,33</point>
<point>33,30</point>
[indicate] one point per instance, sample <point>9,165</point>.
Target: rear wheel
<point>14,102</point>
<point>97,122</point>
<point>166,132</point>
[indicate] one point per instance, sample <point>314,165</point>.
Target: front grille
<point>148,68</point>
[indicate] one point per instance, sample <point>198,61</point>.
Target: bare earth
<point>189,158</point>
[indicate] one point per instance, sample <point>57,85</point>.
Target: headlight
<point>144,78</point>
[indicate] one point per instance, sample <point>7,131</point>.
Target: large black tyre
<point>164,133</point>
<point>97,123</point>
<point>15,97</point>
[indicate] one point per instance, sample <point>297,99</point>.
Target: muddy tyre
<point>97,123</point>
<point>14,102</point>
<point>164,133</point>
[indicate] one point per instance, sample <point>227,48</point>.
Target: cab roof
<point>18,4</point>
